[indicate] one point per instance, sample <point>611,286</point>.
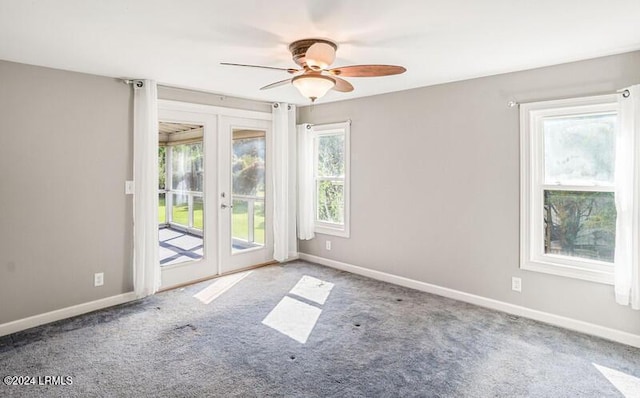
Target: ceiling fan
<point>315,79</point>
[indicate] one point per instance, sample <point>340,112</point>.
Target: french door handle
<point>224,206</point>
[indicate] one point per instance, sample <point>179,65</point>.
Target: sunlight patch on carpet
<point>312,289</point>
<point>219,286</point>
<point>293,318</point>
<point>628,385</point>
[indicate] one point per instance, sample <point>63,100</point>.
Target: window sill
<point>325,230</point>
<point>605,277</point>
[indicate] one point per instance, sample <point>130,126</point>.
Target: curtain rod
<point>133,81</point>
<point>309,125</point>
<point>625,93</point>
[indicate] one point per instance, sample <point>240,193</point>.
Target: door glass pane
<point>181,185</point>
<point>330,201</point>
<point>240,222</point>
<point>580,224</point>
<point>248,189</point>
<point>579,149</point>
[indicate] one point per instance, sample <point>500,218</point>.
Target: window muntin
<point>568,208</point>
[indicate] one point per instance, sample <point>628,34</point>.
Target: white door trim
<point>213,110</point>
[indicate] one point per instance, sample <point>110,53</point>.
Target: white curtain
<point>146,267</point>
<point>306,186</point>
<point>627,269</point>
<point>285,245</point>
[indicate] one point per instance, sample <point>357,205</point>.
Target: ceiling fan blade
<point>342,85</point>
<point>367,70</point>
<point>276,84</point>
<point>289,70</point>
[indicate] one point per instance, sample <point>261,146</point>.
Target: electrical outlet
<point>516,284</point>
<point>327,245</point>
<point>98,279</point>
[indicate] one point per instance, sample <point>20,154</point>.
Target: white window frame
<point>341,230</point>
<point>532,186</point>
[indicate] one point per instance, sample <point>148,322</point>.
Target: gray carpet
<point>372,339</point>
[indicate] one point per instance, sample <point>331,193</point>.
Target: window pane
<point>580,224</point>
<point>330,201</point>
<point>197,212</point>
<point>162,214</point>
<point>180,211</point>
<point>579,149</point>
<point>331,156</point>
<point>162,163</point>
<point>258,222</point>
<point>187,167</point>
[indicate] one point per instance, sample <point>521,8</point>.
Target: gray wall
<point>435,186</point>
<point>66,149</point>
<point>65,152</point>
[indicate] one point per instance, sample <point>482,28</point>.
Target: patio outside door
<point>245,193</point>
<point>187,215</point>
<point>215,198</point>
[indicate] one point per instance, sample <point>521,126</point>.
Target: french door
<point>214,191</point>
<point>245,197</point>
<point>187,230</point>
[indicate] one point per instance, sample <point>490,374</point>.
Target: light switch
<point>129,187</point>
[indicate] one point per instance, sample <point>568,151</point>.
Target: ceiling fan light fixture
<point>320,55</point>
<point>313,86</point>
<point>314,78</point>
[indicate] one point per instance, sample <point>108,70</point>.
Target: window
<point>331,178</point>
<point>185,175</point>
<point>162,177</point>
<point>568,210</point>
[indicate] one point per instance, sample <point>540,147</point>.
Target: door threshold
<point>208,278</point>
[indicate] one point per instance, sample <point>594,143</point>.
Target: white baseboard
<point>68,312</point>
<point>556,320</point>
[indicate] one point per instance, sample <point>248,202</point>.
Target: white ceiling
<point>182,42</point>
